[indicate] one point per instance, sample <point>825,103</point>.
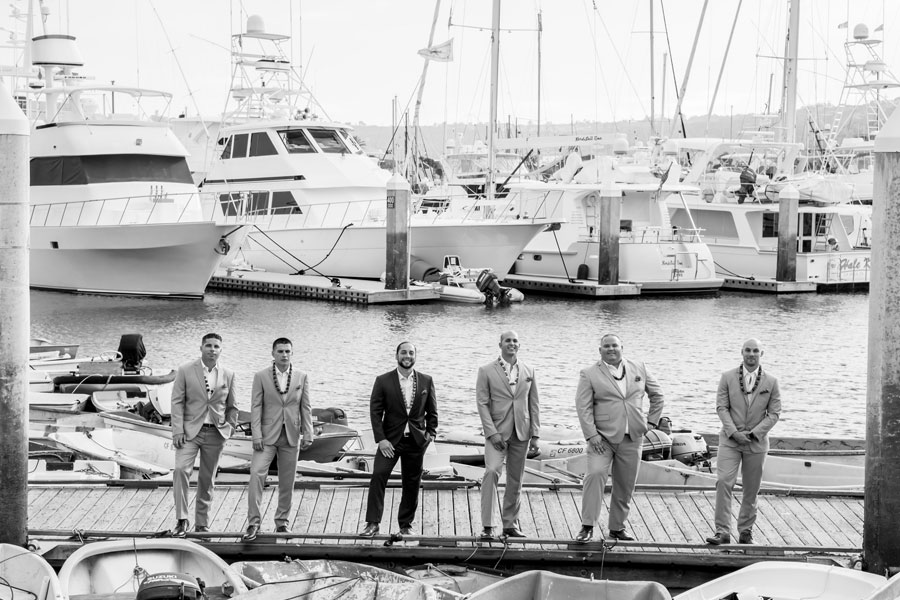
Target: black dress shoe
<point>586,533</point>
<point>282,529</point>
<point>487,533</point>
<point>719,538</point>
<point>201,529</point>
<point>746,537</point>
<point>250,535</point>
<point>620,534</point>
<point>406,530</point>
<point>181,527</point>
<point>370,531</point>
<point>512,532</point>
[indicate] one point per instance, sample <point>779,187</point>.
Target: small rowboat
<point>544,585</point>
<point>27,576</point>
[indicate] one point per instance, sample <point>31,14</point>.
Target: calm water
<point>685,342</point>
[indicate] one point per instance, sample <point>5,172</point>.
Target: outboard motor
<point>131,347</point>
<point>170,586</point>
<point>689,448</point>
<point>330,415</point>
<point>488,284</point>
<point>656,445</point>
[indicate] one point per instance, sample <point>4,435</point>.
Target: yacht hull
<point>359,251</point>
<point>170,259</point>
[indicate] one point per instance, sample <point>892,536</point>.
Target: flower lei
<point>759,373</point>
<point>275,379</point>
<point>503,366</point>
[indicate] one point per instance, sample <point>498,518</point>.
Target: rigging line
<point>561,258</point>
<point>728,272</point>
<point>298,259</point>
<point>180,68</point>
<point>662,8</point>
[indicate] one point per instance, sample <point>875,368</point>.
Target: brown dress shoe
<point>719,538</point>
<point>487,533</point>
<point>201,529</point>
<point>370,531</point>
<point>746,537</point>
<point>181,527</point>
<point>513,532</point>
<point>282,529</point>
<point>250,534</point>
<point>586,533</point>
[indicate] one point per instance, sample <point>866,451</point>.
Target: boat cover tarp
<point>544,585</point>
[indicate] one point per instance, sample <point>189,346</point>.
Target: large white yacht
<point>317,201</point>
<point>737,210</point>
<point>113,206</point>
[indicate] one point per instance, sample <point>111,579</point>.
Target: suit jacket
<point>190,403</point>
<point>501,410</point>
<point>387,409</point>
<point>603,409</point>
<point>757,416</point>
<point>269,410</point>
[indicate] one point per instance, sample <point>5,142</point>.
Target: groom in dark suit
<point>404,415</point>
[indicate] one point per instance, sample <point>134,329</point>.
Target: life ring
<point>224,247</point>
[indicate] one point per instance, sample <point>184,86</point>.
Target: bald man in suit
<point>506,392</point>
<point>204,415</point>
<point>280,414</point>
<point>610,404</point>
<point>748,403</point>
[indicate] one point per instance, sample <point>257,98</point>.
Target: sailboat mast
<point>652,82</point>
<point>789,95</point>
<point>539,32</point>
<point>495,68</point>
<point>415,145</point>
<point>687,74</point>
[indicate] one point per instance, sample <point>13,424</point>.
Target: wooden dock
<point>314,287</point>
<point>670,527</point>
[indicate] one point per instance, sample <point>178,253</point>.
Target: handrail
<point>137,210</point>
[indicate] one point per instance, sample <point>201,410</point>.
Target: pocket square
<point>638,378</point>
<point>529,379</point>
<point>764,392</point>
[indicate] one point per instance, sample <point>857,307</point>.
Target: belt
<point>209,425</point>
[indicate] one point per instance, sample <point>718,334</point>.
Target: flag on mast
<point>880,27</point>
<point>843,25</point>
<point>441,52</point>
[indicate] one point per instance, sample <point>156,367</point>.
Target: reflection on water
<point>685,342</point>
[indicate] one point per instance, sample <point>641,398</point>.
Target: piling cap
<point>789,192</point>
<point>888,138</point>
<point>12,120</point>
<point>397,182</point>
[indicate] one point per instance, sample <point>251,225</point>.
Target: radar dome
<point>670,147</point>
<point>255,24</point>
<point>620,145</point>
<point>860,32</point>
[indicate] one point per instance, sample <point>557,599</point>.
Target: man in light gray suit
<point>609,400</point>
<point>203,417</point>
<point>509,406</point>
<point>748,404</point>
<point>279,413</point>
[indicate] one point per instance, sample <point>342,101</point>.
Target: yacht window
<point>283,203</point>
<point>226,153</point>
<point>296,142</point>
<point>329,141</point>
<point>770,225</point>
<point>261,145</point>
<point>351,141</point>
<point>108,168</point>
<point>239,149</point>
<point>712,223</point>
<point>231,204</point>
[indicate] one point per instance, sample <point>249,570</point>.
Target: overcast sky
<point>357,55</point>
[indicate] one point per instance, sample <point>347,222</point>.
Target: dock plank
<point>353,513</point>
<point>305,501</point>
<point>561,524</point>
<point>462,519</point>
<point>446,514</point>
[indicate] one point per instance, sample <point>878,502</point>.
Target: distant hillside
<point>377,138</point>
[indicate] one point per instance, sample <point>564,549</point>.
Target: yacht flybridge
<point>113,206</point>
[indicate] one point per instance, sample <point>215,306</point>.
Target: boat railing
<point>373,212</point>
<point>655,234</point>
<point>156,207</point>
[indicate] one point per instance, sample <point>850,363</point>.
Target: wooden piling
<point>788,219</point>
<point>15,320</point>
<point>397,226</point>
<point>608,236</point>
<point>881,544</point>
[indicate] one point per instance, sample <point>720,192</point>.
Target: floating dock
<point>670,527</point>
<point>572,287</point>
<point>314,287</point>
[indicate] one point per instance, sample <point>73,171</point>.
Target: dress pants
<point>410,456</point>
<point>514,456</point>
<point>727,463</point>
<point>209,443</point>
<point>625,458</point>
<point>259,468</point>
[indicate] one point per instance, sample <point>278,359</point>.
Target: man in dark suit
<point>748,403</point>
<point>403,408</point>
<point>506,393</point>
<point>279,413</point>
<point>609,400</point>
<point>203,417</point>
